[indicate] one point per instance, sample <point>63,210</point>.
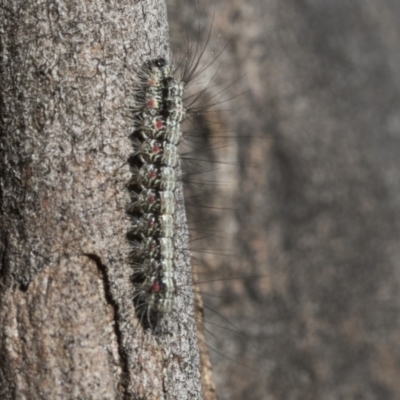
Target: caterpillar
<point>158,115</point>
<point>154,164</point>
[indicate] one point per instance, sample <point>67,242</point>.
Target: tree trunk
<point>68,327</point>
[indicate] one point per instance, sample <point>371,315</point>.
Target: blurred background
<point>305,147</point>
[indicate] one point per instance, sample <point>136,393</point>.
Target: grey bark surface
<point>67,323</point>
<point>315,137</point>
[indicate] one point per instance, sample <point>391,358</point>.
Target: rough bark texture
<point>67,322</point>
<point>316,192</point>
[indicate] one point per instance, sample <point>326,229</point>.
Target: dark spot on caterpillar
<point>160,62</point>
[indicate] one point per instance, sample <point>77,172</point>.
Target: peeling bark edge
<point>123,358</point>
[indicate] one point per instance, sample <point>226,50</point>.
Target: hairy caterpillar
<point>154,162</point>
<point>158,114</point>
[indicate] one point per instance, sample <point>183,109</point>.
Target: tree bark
<point>67,322</point>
